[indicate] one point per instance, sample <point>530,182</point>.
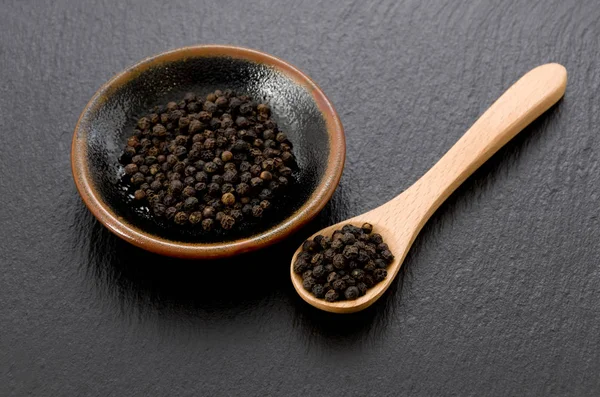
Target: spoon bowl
<point>400,220</point>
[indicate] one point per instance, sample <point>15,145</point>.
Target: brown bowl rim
<point>138,237</point>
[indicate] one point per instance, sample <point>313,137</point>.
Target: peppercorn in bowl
<point>207,151</point>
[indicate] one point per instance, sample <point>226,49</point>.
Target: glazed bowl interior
<point>298,106</point>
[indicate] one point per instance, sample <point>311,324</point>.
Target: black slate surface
<point>499,296</point>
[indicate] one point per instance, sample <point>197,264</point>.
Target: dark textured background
<point>500,294</point>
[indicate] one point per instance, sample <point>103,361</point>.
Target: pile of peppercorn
<point>344,265</point>
<point>208,161</point>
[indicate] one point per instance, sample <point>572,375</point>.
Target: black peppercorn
<point>285,171</point>
<point>154,169</point>
<point>367,228</point>
<point>218,179</point>
<point>241,122</point>
<point>188,191</point>
<point>175,187</point>
<point>337,245</point>
<point>159,209</point>
<point>143,123</point>
<point>362,256</point>
<point>380,263</point>
<point>350,251</point>
<point>387,256</point>
<point>169,200</point>
<point>245,177</point>
<point>257,211</point>
<point>190,203</point>
<point>227,222</point>
<point>245,108</point>
<point>348,239</point>
<point>209,106</point>
<point>281,137</point>
<point>247,209</point>
<point>328,254</point>
<point>208,212</point>
<point>189,170</point>
<point>236,214</point>
<point>266,176</point>
<point>207,224</point>
<point>369,281</point>
<point>339,285</point>
<point>138,178</point>
<point>131,169</point>
<point>370,266</point>
<point>159,130</point>
<point>358,274</point>
<point>379,274</point>
<point>221,102</point>
<point>227,188</point>
<point>201,176</point>
<point>339,262</point>
<point>181,218</point>
<point>128,154</point>
<point>305,255</point>
<point>200,187</point>
<point>230,176</point>
<point>170,212</point>
<point>331,296</point>
<point>195,217</point>
<point>362,288</point>
<point>242,189</point>
<point>376,238</point>
<point>283,181</point>
<point>288,158</point>
<point>308,283</point>
<point>228,199</point>
<point>318,290</point>
<point>332,276</point>
<point>214,189</point>
<point>137,160</point>
<point>255,170</point>
<point>300,266</point>
<point>210,167</point>
<point>194,127</point>
<point>263,108</point>
<point>134,140</point>
<point>310,246</point>
<point>139,195</point>
<point>265,194</point>
<point>317,259</point>
<point>351,293</point>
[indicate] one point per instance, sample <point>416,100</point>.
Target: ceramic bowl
<point>298,105</point>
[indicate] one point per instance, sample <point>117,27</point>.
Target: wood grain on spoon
<point>400,220</point>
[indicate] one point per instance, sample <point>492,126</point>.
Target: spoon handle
<point>523,102</point>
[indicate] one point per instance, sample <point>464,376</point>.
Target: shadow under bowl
<point>298,106</point>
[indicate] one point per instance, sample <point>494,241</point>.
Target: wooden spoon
<point>400,220</point>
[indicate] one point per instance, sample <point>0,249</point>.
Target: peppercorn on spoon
<point>400,220</point>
